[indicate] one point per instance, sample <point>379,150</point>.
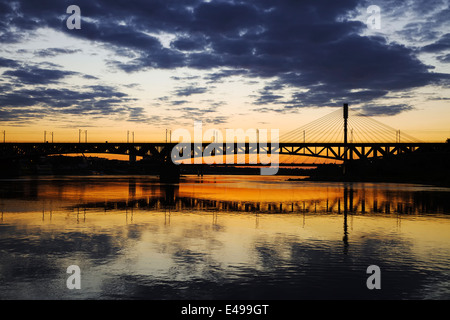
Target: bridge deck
<point>161,150</point>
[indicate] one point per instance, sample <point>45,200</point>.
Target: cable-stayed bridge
<point>340,136</point>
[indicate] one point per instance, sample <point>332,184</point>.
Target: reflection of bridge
<point>351,201</point>
<point>336,205</point>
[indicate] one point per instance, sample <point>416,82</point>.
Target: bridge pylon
<point>345,164</point>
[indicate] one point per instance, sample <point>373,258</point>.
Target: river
<point>222,237</point>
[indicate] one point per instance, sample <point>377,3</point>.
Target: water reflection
<point>232,195</point>
<point>222,237</point>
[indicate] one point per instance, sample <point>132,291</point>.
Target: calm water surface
<point>222,237</point>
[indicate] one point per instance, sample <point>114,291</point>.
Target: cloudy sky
<point>151,65</point>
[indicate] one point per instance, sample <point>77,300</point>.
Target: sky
<point>147,66</point>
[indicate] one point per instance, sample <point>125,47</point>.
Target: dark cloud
<point>190,90</point>
<point>377,110</point>
<point>198,110</point>
<point>178,102</point>
<point>265,98</point>
<point>21,115</point>
<point>417,32</point>
<point>137,114</point>
<point>308,44</point>
<point>161,58</point>
<point>90,77</point>
<point>361,63</point>
<point>225,17</point>
<point>224,73</point>
<point>189,43</point>
<point>444,58</point>
<point>206,114</point>
<point>215,104</point>
<point>37,75</point>
<point>217,120</point>
<point>8,63</point>
<point>185,78</point>
<point>23,105</point>
<point>442,44</point>
<point>52,52</point>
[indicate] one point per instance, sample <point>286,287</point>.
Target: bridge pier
<point>169,172</point>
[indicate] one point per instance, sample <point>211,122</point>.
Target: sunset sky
<point>145,66</point>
